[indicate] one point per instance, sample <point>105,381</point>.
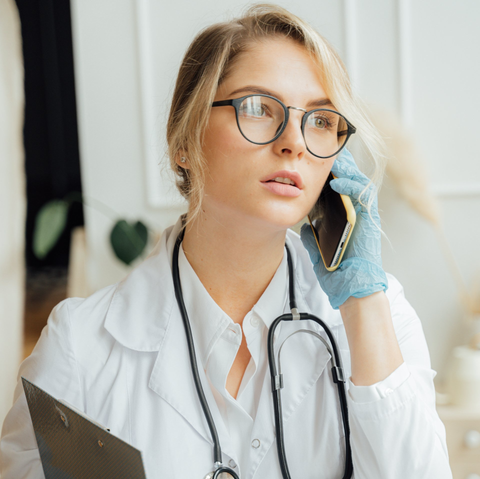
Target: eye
<point>323,120</point>
<point>257,110</point>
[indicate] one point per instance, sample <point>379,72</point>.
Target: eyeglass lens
<point>260,119</point>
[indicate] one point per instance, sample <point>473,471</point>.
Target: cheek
<point>226,152</point>
<point>222,144</point>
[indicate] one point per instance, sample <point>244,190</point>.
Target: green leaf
<point>128,240</point>
<point>49,225</point>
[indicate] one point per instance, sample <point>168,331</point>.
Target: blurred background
<point>85,88</point>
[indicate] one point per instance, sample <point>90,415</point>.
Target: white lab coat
<point>120,356</point>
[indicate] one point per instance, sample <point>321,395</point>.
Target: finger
<point>308,240</point>
<point>346,186</point>
<point>346,158</point>
<point>344,170</point>
<point>345,165</point>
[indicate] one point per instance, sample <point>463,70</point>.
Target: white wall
<point>110,127</point>
<point>12,202</point>
<point>416,60</point>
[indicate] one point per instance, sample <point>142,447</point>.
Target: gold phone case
<point>351,218</point>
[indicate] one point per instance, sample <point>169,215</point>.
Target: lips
<point>292,175</point>
<point>281,189</point>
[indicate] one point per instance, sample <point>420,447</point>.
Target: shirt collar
<point>209,321</point>
<point>274,299</point>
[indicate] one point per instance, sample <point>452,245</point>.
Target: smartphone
<point>332,220</point>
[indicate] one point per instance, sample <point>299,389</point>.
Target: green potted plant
<point>128,240</point>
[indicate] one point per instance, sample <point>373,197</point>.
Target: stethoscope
<point>277,379</point>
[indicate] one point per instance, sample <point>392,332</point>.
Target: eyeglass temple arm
<point>222,103</point>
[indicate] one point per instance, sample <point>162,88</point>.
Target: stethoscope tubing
<point>217,453</point>
<point>277,384</point>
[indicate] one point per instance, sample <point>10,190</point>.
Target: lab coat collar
<point>141,307</point>
<point>144,301</point>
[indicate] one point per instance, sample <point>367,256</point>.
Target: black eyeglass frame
<point>238,101</point>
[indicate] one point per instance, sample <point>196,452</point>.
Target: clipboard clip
<point>64,417</point>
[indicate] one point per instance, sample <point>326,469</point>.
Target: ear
<point>178,160</point>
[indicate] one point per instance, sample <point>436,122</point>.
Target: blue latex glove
<point>360,272</point>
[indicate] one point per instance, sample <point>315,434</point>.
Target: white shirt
<point>120,356</point>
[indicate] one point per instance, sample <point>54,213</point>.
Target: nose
<point>291,140</point>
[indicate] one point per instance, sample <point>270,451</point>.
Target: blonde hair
<point>209,60</point>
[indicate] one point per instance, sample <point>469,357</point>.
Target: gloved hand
<point>360,272</point>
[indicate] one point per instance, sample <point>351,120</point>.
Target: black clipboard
<point>73,446</point>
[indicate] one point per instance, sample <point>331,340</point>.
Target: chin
<point>273,215</point>
<point>283,218</point>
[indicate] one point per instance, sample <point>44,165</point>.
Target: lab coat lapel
<point>172,380</point>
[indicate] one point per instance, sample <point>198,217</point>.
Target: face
<point>236,167</point>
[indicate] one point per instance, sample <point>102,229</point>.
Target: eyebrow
<point>256,89</point>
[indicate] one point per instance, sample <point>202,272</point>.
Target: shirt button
<point>254,321</point>
<point>388,391</point>
<point>232,464</point>
<point>255,443</point>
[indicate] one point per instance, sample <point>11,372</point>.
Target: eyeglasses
<point>261,119</point>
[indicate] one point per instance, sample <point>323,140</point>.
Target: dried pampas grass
<point>406,165</point>
<point>407,170</point>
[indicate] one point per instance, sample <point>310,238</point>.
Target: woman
<point>121,355</point>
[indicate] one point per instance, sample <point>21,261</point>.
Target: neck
<point>235,260</point>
